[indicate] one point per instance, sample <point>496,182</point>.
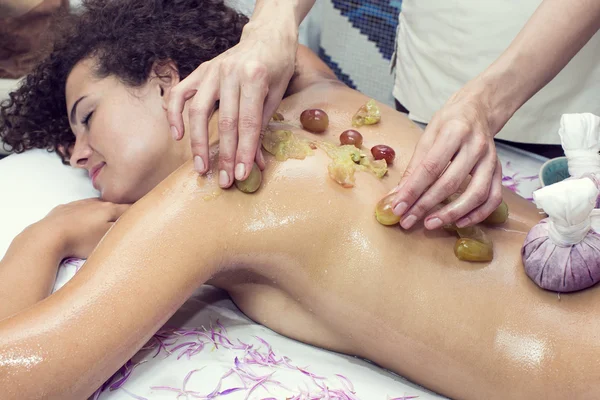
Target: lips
<point>95,171</point>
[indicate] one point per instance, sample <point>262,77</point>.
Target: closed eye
<point>86,120</point>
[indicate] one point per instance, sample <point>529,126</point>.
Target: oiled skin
<point>307,258</point>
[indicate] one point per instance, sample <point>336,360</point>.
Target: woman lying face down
<point>303,255</point>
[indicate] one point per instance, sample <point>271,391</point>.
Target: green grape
<point>467,249</point>
<point>284,144</point>
<point>473,244</point>
<point>384,212</point>
<point>499,216</point>
<point>252,183</point>
<point>367,114</point>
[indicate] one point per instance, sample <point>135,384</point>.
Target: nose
<point>81,151</point>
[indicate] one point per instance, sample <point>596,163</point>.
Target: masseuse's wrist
<point>501,91</point>
<point>274,19</point>
<point>281,34</point>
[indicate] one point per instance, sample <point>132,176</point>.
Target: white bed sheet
<point>34,182</point>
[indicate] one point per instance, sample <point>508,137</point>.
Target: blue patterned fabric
<point>336,69</point>
<point>375,19</point>
<point>357,41</point>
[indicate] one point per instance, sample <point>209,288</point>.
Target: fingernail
<point>261,157</point>
<point>198,164</point>
<point>240,170</point>
<point>461,223</point>
<point>408,222</point>
<point>174,133</point>
<point>400,208</point>
<point>433,223</point>
<point>223,178</point>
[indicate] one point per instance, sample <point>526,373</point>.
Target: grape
<point>252,183</point>
<point>351,137</point>
<point>384,211</point>
<point>473,244</point>
<point>314,120</point>
<point>499,216</point>
<point>383,152</point>
<point>284,144</point>
<point>467,249</point>
<point>367,114</point>
<point>278,117</point>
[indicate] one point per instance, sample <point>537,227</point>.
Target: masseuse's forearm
<point>27,271</point>
<point>282,15</point>
<point>553,35</point>
<point>140,274</point>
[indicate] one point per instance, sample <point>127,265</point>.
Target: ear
<point>166,76</point>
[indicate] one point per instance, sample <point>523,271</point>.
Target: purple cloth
<point>561,269</point>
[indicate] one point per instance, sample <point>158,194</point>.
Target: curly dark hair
<point>126,38</point>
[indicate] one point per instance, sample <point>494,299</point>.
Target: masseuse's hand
<point>457,142</point>
<point>79,226</point>
<point>250,80</point>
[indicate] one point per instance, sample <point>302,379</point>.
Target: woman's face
<point>122,133</point>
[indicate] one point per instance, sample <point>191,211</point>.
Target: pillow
<point>32,184</point>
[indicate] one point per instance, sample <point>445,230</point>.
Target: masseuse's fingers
<point>428,170</point>
<point>493,201</point>
<point>476,195</point>
<point>449,182</point>
<point>228,127</point>
<point>274,96</point>
<point>460,136</point>
<point>201,87</point>
<point>180,94</point>
<point>200,110</point>
<point>422,148</point>
<point>254,89</point>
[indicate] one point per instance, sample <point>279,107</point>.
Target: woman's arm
<point>462,131</point>
<point>138,276</point>
<point>28,270</point>
<point>285,14</point>
<point>550,39</point>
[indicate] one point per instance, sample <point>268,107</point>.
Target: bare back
<point>311,262</point>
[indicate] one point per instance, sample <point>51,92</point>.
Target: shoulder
<point>309,70</point>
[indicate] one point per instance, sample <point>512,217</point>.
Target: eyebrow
<point>74,109</point>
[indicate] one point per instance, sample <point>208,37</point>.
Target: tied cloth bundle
<point>580,139</point>
<point>562,252</point>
